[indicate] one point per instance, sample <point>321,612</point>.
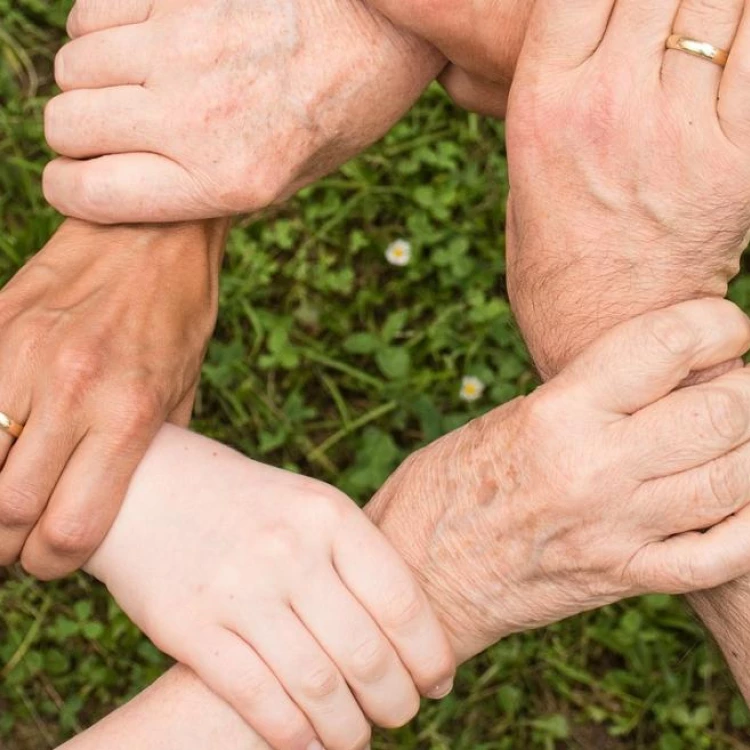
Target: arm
<point>463,512</point>
<point>107,330</point>
<point>628,194</point>
<point>178,712</point>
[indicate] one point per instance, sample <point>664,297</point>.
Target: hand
<point>103,333</point>
<point>481,38</point>
<point>629,165</point>
<point>181,100</point>
<point>590,490</point>
<point>276,591</point>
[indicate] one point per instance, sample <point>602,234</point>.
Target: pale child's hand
<point>277,591</point>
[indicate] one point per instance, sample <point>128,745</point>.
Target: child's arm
<point>277,591</point>
<point>178,712</point>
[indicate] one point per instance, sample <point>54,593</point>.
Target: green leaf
<point>362,343</point>
<point>395,324</point>
<point>394,362</point>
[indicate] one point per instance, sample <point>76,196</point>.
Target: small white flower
<point>472,388</point>
<point>398,253</point>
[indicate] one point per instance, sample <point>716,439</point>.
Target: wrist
<point>563,305</point>
<point>441,524</point>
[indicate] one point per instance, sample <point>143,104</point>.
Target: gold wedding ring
<point>696,48</point>
<point>10,426</point>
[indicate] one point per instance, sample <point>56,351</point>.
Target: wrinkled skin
<point>181,99</point>
<point>567,500</point>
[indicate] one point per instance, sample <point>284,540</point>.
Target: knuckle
<point>442,667</point>
<point>697,575</point>
<point>279,543</point>
<point>53,117</point>
<point>291,733</point>
<point>19,507</point>
<point>76,368</point>
<point>68,536</point>
<point>95,195</point>
<point>141,405</point>
<point>253,186</point>
<point>727,414</point>
<point>370,660</point>
<point>320,683</point>
<point>250,688</point>
<point>404,607</point>
<point>671,333</point>
<point>62,68</point>
<point>728,485</point>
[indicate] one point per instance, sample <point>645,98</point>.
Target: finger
<point>695,561</point>
<point>563,34</point>
<point>697,499</point>
<point>235,672</point>
<point>638,30</point>
<point>370,665</point>
<point>95,122</point>
<point>382,582</point>
<point>88,16</point>
<point>30,475</point>
<point>308,675</point>
<point>690,427</point>
<point>734,91</point>
<point>124,189</point>
<point>114,57</point>
<point>644,359</point>
<point>475,94</point>
<point>86,500</point>
<point>697,81</point>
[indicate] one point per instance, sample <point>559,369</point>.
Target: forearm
<point>176,713</point>
<point>567,291</point>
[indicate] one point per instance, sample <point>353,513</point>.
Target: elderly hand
<point>184,109</point>
<point>277,591</point>
<point>103,334</point>
<point>629,164</point>
<point>595,488</point>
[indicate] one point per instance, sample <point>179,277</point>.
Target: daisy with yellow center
<point>472,388</point>
<point>398,253</point>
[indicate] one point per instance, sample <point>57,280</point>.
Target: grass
<point>330,361</point>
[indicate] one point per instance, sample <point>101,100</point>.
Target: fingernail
<point>441,690</point>
<point>315,745</point>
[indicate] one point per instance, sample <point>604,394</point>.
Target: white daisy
<point>398,253</point>
<point>472,388</point>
